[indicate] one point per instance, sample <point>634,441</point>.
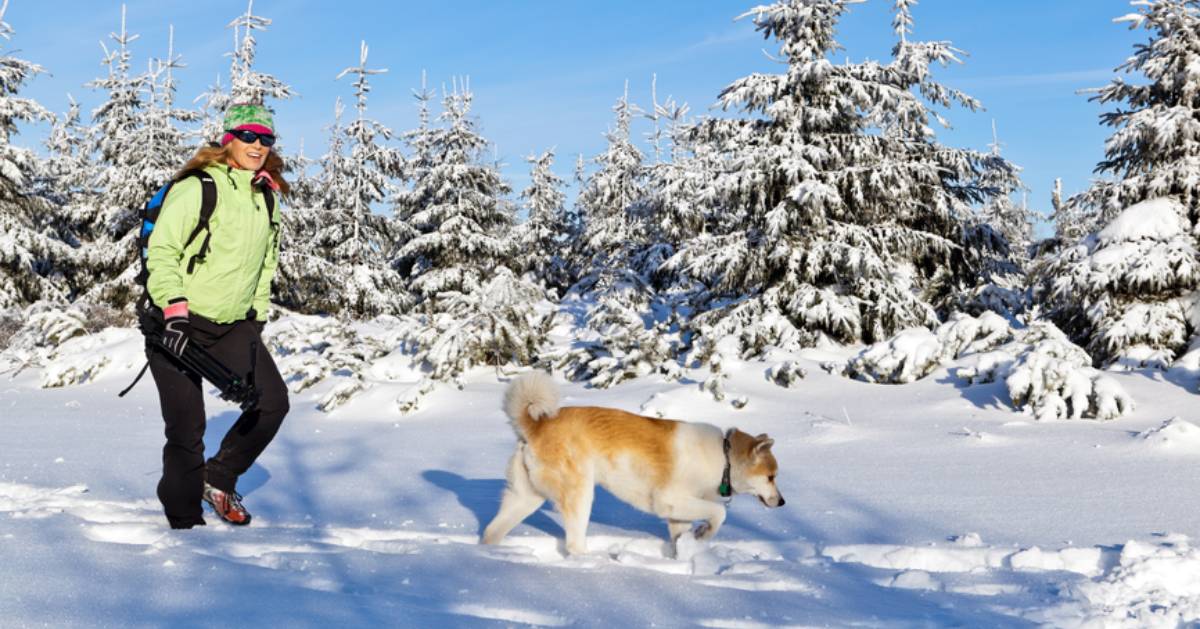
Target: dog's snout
<point>782,501</point>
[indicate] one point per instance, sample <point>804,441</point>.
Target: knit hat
<point>248,116</point>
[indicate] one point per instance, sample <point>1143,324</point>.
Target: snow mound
<point>1053,381</point>
<point>914,353</point>
<point>963,334</point>
<point>1049,377</point>
<point>909,356</point>
<point>85,358</point>
<point>786,374</point>
<point>1046,374</point>
<point>1152,585</point>
<point>1175,433</point>
<point>1156,219</point>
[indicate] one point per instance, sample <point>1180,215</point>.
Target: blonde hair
<point>220,155</point>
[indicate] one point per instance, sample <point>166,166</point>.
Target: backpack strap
<point>208,202</point>
<point>269,197</point>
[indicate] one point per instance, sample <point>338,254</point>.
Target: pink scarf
<point>263,174</point>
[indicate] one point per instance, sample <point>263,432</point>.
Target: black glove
<point>176,329</point>
<point>259,325</point>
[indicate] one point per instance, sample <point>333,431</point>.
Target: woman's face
<point>247,156</point>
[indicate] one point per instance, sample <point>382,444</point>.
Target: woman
<point>214,290</point>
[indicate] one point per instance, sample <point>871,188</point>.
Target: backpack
<point>208,202</point>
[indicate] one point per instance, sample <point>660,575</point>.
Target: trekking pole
<point>231,387</point>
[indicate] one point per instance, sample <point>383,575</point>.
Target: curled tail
<point>530,398</point>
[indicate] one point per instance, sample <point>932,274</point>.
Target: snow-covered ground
<point>931,503</point>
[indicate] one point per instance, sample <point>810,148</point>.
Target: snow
<point>1157,219</point>
<point>369,517</point>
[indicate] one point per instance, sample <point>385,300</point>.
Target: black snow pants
<point>181,395</point>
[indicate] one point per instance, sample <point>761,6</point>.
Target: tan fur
<point>663,466</point>
<point>608,433</point>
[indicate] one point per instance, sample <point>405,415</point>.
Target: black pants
<point>181,395</point>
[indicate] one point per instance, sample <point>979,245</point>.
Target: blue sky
<point>546,74</point>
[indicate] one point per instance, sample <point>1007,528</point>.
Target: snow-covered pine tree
<point>140,112</point>
<point>1070,223</point>
<point>849,220</point>
<point>1013,221</point>
<point>121,181</point>
<point>1152,152</point>
<point>66,178</point>
<point>247,85</point>
<point>1128,292</point>
<point>630,330</point>
<point>1001,234</point>
<point>460,262</point>
<point>308,281</point>
<point>677,187</point>
<point>542,239</point>
<point>460,213</point>
<point>420,160</point>
<point>165,124</point>
<point>346,265</point>
<point>29,256</point>
<point>305,186</point>
<point>608,205</point>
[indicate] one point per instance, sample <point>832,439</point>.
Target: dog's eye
<point>771,478</point>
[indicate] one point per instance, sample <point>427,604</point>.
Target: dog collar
<point>725,489</point>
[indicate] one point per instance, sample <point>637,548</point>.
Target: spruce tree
<point>140,112</point>
<point>845,219</point>
<point>66,177</point>
<point>1001,234</point>
<point>246,84</point>
<point>345,266</point>
<point>29,256</point>
<point>477,310</point>
<point>608,204</point>
<point>1127,292</point>
<point>460,214</point>
<point>541,240</point>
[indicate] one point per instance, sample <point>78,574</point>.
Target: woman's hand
<point>176,328</point>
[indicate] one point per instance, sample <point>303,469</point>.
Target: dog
<point>677,470</point>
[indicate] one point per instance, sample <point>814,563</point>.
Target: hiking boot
<point>227,505</point>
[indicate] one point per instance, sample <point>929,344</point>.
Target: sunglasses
<point>249,137</point>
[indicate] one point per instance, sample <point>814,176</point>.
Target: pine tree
<point>28,255</point>
<point>247,85</point>
<point>459,209</point>
<point>66,178</point>
<point>541,240</point>
<point>630,328</point>
<point>1013,222</point>
<point>121,179</point>
<point>848,221</point>
<point>608,204</point>
<point>1127,292</point>
<point>345,266</point>
<point>1152,152</point>
<point>1001,234</point>
<point>140,112</point>
<point>164,123</point>
<point>477,310</point>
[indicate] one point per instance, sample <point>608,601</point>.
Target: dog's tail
<point>530,398</point>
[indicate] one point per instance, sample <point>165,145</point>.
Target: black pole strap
<point>135,380</point>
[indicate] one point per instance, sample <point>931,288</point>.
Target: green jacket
<point>242,256</point>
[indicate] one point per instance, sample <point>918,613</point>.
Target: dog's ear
<point>762,444</point>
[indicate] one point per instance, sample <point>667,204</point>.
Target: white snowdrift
<point>1045,373</point>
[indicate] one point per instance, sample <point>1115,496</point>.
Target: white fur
<point>690,494</point>
<point>534,393</point>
